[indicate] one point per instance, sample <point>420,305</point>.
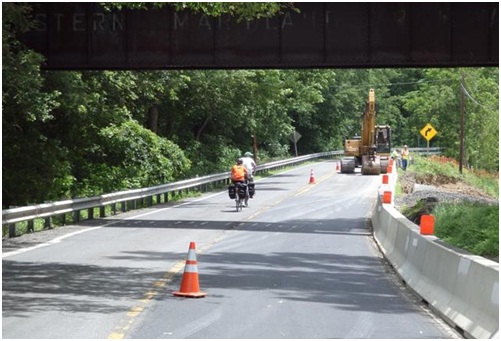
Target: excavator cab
<point>383,140</point>
<point>375,158</point>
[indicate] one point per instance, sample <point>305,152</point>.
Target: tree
<point>437,101</point>
<point>27,154</point>
<point>70,134</point>
<point>239,10</point>
<point>135,158</point>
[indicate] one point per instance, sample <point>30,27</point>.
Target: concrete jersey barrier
<point>462,288</point>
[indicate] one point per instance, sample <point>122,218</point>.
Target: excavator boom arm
<point>369,122</point>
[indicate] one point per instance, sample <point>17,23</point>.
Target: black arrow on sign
<point>427,131</point>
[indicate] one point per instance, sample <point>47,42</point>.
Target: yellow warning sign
<point>428,132</point>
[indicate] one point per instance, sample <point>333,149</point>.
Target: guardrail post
<point>114,208</point>
<point>31,226</point>
<point>90,213</point>
<point>12,230</point>
<point>126,203</point>
<point>102,212</point>
<point>47,223</point>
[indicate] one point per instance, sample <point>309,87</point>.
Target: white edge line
<point>60,238</point>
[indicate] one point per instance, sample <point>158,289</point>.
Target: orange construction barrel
<point>427,225</point>
<point>385,179</point>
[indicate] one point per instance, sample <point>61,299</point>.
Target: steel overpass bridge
<point>77,36</point>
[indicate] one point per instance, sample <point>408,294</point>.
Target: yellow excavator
<point>371,151</point>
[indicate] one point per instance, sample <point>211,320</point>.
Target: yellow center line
<point>122,328</point>
<point>310,186</point>
<point>125,324</point>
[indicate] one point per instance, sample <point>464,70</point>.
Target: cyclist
<point>239,175</point>
<point>250,164</point>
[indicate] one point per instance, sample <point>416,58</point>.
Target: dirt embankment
<point>433,189</point>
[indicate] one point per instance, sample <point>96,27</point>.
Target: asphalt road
<point>299,262</point>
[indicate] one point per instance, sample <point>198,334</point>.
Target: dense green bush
<point>135,157</point>
<point>472,227</point>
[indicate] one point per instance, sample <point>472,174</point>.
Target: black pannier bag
<point>252,190</point>
<point>242,188</point>
<point>231,191</point>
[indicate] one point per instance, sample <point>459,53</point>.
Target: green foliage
<point>30,159</point>
<point>215,154</point>
<point>435,165</point>
<point>239,10</point>
<point>474,228</point>
<point>437,101</point>
<point>69,134</point>
<point>489,183</point>
<point>449,168</point>
<point>135,157</point>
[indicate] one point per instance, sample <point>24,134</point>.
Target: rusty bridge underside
<point>75,36</point>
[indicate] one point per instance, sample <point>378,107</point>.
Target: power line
<point>421,82</point>
<point>395,84</point>
<point>463,88</point>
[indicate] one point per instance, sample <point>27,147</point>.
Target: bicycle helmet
<point>240,161</point>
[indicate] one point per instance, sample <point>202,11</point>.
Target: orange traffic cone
<point>189,284</point>
<point>337,166</point>
<point>312,177</point>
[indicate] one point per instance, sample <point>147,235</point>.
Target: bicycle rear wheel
<point>238,202</point>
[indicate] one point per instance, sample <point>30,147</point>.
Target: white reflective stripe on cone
<point>191,268</point>
<point>192,255</point>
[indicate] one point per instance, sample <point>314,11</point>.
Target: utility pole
<point>254,146</point>
<point>461,134</point>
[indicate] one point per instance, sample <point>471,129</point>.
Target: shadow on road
<point>349,282</point>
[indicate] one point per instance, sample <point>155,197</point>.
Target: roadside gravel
<point>439,190</point>
<point>440,194</point>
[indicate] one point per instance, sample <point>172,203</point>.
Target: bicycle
<point>241,200</point>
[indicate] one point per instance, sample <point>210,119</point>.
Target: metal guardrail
<point>128,198</point>
<point>426,151</point>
